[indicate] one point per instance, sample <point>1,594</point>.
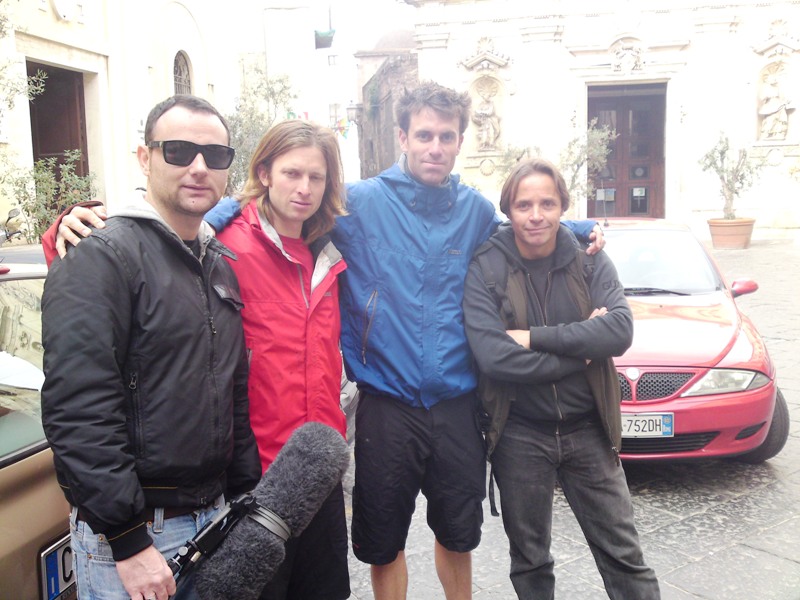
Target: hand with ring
<point>146,575</point>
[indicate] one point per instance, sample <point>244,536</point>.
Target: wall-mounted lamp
<point>355,112</point>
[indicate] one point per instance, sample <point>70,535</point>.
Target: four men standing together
<point>408,238</point>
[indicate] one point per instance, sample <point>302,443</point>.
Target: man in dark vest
<point>543,330</point>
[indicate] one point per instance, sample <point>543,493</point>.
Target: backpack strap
<point>509,292</point>
<point>495,274</point>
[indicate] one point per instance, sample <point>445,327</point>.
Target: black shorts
<point>401,450</point>
<point>315,567</point>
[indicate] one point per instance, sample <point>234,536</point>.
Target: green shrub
<point>49,188</point>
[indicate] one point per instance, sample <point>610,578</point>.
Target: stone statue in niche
<point>773,107</point>
<point>484,115</point>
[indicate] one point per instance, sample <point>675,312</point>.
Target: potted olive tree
<point>737,172</point>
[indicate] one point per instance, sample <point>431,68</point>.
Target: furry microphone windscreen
<point>304,473</point>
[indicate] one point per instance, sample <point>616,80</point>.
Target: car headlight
<point>725,381</point>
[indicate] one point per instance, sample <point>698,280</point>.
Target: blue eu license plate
<point>58,576</point>
<point>648,425</point>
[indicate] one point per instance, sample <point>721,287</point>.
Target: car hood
<point>691,331</point>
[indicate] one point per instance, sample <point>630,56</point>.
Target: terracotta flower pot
<point>731,233</point>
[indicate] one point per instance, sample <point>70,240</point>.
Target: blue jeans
<point>526,465</point>
<point>96,571</point>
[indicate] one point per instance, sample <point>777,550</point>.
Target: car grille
<point>653,385</point>
<point>660,385</point>
<point>680,443</point>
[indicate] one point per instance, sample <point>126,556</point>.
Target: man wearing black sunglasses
<point>182,153</point>
<point>146,408</point>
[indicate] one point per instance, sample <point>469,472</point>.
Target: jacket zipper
<point>205,280</point>
<point>614,449</point>
<point>133,386</point>
<point>302,285</point>
<point>542,310</point>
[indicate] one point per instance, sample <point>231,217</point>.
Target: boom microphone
<point>304,473</point>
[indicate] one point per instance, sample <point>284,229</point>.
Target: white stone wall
<point>125,51</point>
<point>712,58</point>
<point>539,57</point>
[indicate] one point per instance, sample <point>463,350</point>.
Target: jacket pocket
<point>369,319</point>
<point>135,425</point>
<point>229,295</point>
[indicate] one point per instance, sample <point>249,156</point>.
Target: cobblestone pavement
<point>716,530</point>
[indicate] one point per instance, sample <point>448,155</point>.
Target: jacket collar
<point>138,208</point>
<point>258,222</point>
<point>418,197</point>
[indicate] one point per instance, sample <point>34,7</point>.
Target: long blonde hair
<point>277,141</point>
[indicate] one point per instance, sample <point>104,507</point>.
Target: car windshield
<point>656,261</point>
<point>21,374</point>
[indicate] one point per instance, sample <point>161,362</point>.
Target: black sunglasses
<point>181,153</point>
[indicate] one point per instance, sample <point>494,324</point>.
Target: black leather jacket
<point>145,394</point>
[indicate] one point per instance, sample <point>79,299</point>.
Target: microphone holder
<point>208,539</point>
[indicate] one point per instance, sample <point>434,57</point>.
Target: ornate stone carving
<point>773,105</point>
<point>485,59</point>
<point>626,55</point>
<point>779,43</point>
<point>487,167</point>
<point>485,116</point>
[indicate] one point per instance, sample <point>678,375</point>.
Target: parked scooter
<point>5,234</point>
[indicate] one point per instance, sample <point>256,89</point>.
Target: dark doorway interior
<point>58,121</point>
<point>632,185</point>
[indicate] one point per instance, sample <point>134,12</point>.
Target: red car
<point>698,381</point>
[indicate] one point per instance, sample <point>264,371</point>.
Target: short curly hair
<point>445,101</point>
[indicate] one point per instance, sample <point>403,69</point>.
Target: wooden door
<point>632,185</point>
<point>58,117</point>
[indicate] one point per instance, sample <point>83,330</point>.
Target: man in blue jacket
<point>409,237</point>
<point>408,240</point>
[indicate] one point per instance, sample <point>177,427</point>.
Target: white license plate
<point>648,425</point>
<point>58,576</point>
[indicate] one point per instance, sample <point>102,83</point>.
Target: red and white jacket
<point>292,340</point>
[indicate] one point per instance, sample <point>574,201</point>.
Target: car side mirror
<point>740,287</point>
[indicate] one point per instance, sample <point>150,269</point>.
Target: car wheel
<point>776,437</point>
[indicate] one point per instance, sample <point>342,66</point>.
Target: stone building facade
<point>108,62</point>
<point>668,76</point>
